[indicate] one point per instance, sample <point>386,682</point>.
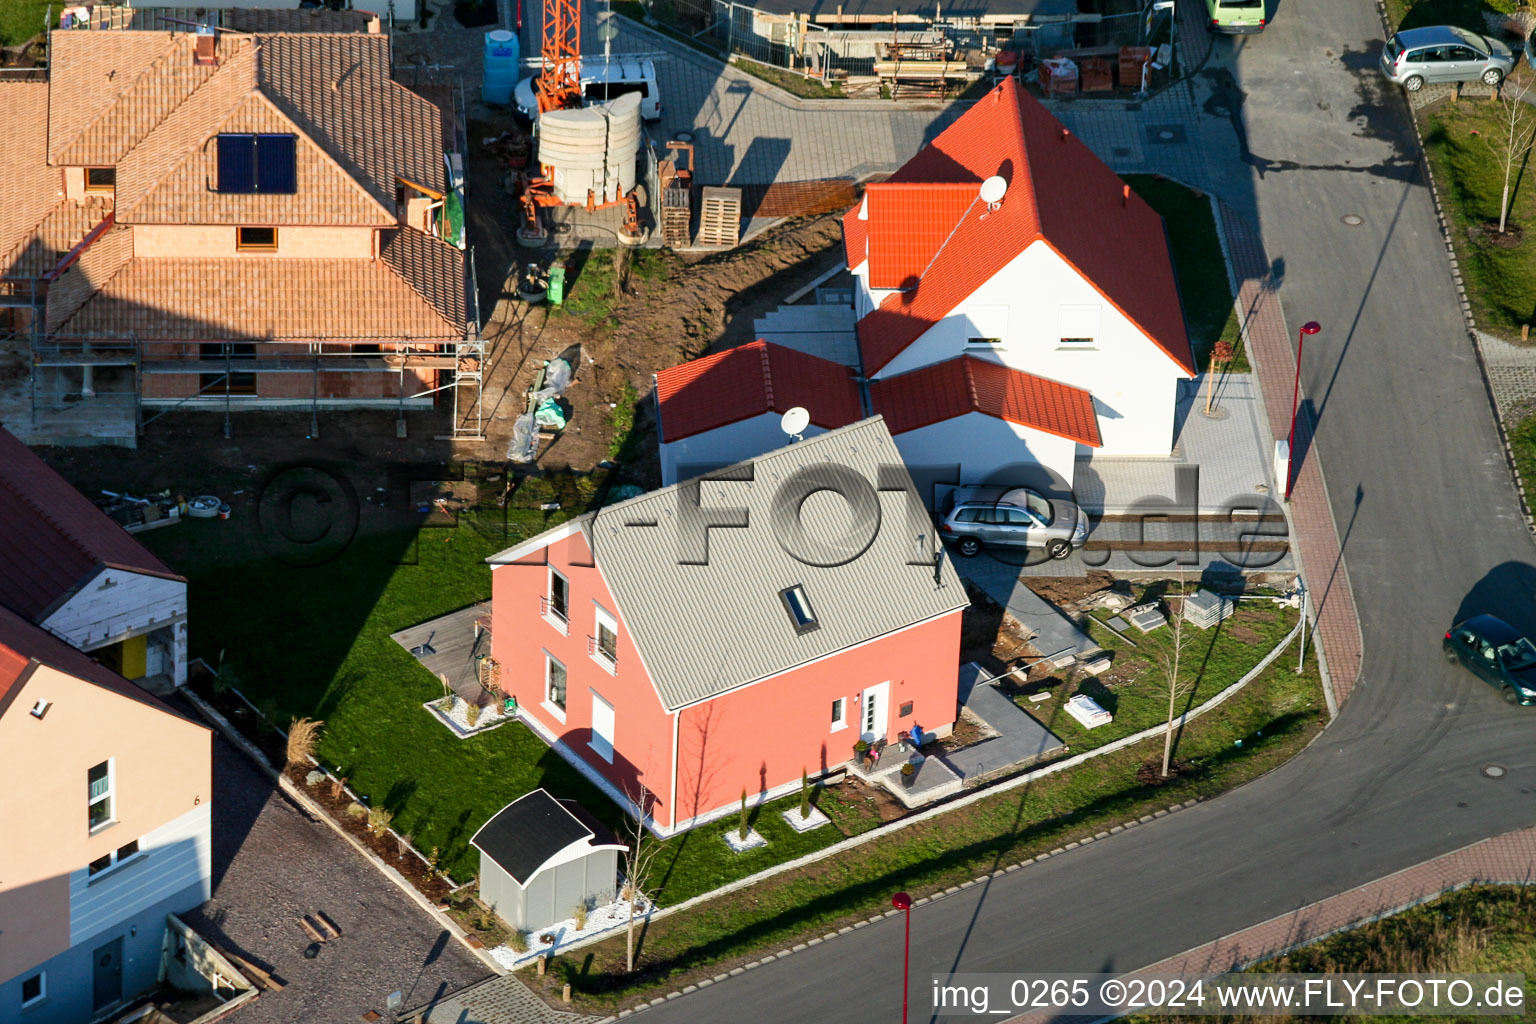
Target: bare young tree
<point>640,854</point>
<point>1517,119</point>
<point>1169,664</point>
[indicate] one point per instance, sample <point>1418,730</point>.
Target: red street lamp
<point>1310,327</point>
<point>901,901</point>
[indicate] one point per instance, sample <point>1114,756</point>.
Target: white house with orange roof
<point>1010,333</point>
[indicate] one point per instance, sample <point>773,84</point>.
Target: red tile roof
<point>21,639</point>
<point>749,380</point>
<point>855,237</point>
<point>1058,190</point>
<point>55,539</point>
<point>955,387</point>
<point>926,212</point>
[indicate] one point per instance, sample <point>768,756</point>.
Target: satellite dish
<point>607,29</point>
<point>993,190</point>
<point>795,421</point>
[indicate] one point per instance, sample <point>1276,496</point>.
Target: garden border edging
<point>316,811</point>
<point>880,832</point>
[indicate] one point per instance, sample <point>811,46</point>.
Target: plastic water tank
<point>500,67</point>
<point>592,149</point>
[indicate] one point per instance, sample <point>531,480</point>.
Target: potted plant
<point>860,748</point>
<point>908,774</point>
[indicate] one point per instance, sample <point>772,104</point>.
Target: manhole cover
<point>1165,135</point>
<point>1354,220</point>
<point>1495,771</point>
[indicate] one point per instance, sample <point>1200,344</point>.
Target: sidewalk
<point>1313,528</point>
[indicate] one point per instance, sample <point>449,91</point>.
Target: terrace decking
<point>451,647</point>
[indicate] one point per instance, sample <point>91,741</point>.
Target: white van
<point>600,82</point>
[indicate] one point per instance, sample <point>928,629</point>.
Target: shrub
<point>518,941</point>
<point>357,811</point>
<point>805,796</point>
<point>303,733</point>
<point>403,844</point>
<point>742,828</point>
<point>471,713</point>
<point>579,915</point>
<point>379,820</point>
<point>338,787</point>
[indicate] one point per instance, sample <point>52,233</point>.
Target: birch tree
<point>1170,664</point>
<point>639,855</point>
<point>1517,118</point>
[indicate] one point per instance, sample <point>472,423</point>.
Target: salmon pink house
<point>729,632</point>
<point>1015,313</point>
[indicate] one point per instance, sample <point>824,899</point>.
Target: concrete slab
<point>1020,738</point>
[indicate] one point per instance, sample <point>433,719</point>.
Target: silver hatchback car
<point>1013,517</point>
<point>1443,53</point>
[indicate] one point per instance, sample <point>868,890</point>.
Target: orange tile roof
<point>433,267</point>
<point>32,188</point>
<point>1059,191</point>
<point>855,237</point>
<point>90,72</point>
<point>749,380</point>
<point>64,226</point>
<point>98,264</point>
<point>252,299</point>
<point>915,220</point>
<point>967,384</point>
<point>12,665</point>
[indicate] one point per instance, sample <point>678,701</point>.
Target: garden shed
<point>540,857</point>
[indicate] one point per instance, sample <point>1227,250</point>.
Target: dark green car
<point>1498,654</point>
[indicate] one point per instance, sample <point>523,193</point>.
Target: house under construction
<point>216,219</point>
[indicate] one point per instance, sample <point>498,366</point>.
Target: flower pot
<point>908,778</point>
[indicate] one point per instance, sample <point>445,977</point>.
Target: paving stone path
<point>504,1000</point>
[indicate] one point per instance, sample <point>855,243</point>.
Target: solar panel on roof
<point>276,163</point>
<point>237,163</point>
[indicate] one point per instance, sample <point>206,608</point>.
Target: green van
<point>1235,16</point>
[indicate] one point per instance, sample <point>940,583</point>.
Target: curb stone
<point>920,901</point>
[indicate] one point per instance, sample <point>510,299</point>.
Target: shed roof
<point>55,539</point>
<point>709,617</point>
<point>523,836</point>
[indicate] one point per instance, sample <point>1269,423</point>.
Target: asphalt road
<point>1431,529</point>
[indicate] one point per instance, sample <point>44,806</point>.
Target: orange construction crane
<point>558,87</point>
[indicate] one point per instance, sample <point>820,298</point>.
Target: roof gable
<point>1057,190</point>
<point>56,539</point>
<point>967,384</point>
<point>749,380</point>
<point>705,609</point>
<point>185,193</point>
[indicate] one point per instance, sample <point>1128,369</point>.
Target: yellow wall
<point>74,184</point>
<point>162,769</point>
<point>194,241</point>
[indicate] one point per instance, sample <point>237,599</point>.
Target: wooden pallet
<point>676,217</point>
<point>720,216</point>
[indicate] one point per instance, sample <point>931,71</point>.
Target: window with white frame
<point>100,793</point>
<point>34,989</point>
<point>605,638</point>
<point>986,327</point>
<point>554,685</point>
<point>1079,326</point>
<point>839,714</point>
<point>557,601</point>
<point>107,861</point>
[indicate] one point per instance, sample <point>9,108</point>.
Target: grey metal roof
<point>525,834</point>
<point>704,629</point>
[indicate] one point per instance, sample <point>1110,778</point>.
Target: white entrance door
<point>873,708</point>
<point>602,727</point>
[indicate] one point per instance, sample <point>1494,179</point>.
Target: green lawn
<point>1204,286</point>
<point>1466,13</point>
<point>1500,277</point>
<point>315,641</point>
<point>1522,440</point>
<point>1134,690</point>
<point>1260,728</point>
<point>1480,929</point>
<point>20,20</point>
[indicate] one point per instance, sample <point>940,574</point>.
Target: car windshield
<point>1243,4</point>
<point>1471,39</point>
<point>1039,506</point>
<point>1394,49</point>
<point>1519,655</point>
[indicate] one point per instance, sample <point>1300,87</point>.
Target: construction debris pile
<point>544,411</point>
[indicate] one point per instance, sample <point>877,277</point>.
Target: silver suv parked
<point>1013,517</point>
<point>1444,53</point>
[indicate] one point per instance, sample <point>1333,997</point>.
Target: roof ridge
<point>236,63</point>
<point>152,66</point>
<point>767,372</point>
<point>1016,122</point>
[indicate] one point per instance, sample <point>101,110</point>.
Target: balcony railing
<point>556,616</point>
<point>601,653</point>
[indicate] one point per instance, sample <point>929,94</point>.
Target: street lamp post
<point>901,901</point>
<point>1310,327</point>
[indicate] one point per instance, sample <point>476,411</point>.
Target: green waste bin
<point>510,707</point>
<point>556,291</point>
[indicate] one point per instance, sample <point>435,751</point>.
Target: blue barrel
<point>500,67</point>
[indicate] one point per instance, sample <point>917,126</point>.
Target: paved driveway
<point>1297,133</point>
<point>272,863</point>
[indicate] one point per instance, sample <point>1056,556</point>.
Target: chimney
<point>1125,195</point>
<point>205,54</point>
